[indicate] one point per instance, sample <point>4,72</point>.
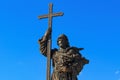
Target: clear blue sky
<point>92,24</point>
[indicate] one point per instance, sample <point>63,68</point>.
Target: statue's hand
<point>47,34</point>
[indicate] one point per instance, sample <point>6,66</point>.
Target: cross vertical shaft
<point>49,16</point>
<point>49,43</point>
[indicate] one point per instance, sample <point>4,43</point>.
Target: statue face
<point>62,43</point>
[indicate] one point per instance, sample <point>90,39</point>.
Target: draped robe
<point>67,63</point>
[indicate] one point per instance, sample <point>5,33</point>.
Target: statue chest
<point>62,58</point>
<point>58,56</point>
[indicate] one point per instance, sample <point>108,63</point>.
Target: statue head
<point>62,41</point>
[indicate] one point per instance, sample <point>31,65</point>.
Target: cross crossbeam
<point>53,15</point>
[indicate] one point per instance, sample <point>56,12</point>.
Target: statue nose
<point>60,41</point>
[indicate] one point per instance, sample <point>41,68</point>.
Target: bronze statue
<point>67,61</point>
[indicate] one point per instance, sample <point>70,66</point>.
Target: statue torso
<point>62,58</point>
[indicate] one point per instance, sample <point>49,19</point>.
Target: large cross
<point>49,16</point>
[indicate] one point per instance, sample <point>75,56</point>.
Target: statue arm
<point>43,46</point>
<point>43,42</point>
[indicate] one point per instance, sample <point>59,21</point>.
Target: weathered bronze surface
<point>67,61</point>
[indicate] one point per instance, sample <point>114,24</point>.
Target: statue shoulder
<point>75,51</point>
